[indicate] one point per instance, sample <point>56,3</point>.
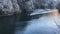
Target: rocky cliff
<point>9,7</point>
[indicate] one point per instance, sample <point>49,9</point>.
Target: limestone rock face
<point>18,6</point>
<point>30,5</point>
<point>9,7</point>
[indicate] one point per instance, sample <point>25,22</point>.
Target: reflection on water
<point>40,24</point>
